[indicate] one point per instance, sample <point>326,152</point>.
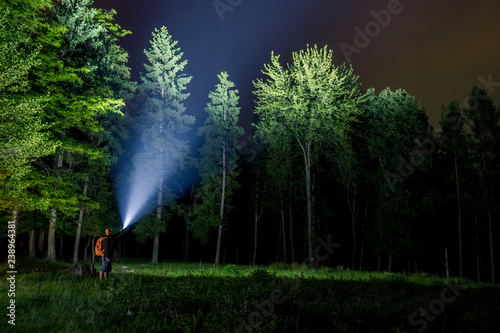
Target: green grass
<point>202,297</point>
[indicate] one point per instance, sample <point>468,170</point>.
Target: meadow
<point>202,297</point>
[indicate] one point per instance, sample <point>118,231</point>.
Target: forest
<point>334,174</point>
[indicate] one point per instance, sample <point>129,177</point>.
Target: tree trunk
<point>32,243</point>
<point>284,234</point>
<point>156,246</point>
<point>61,246</point>
<point>490,230</point>
<point>459,214</point>
<point>159,210</point>
<point>41,240</point>
<point>14,217</point>
<point>363,236</point>
<point>79,228</point>
<point>92,248</point>
<point>278,247</point>
<point>186,244</point>
<point>290,223</point>
<point>354,245</point>
<point>187,222</point>
<point>256,222</point>
<point>223,195</point>
<point>86,250</point>
<point>353,210</point>
<point>379,256</point>
<point>51,240</point>
<point>446,263</point>
<point>257,215</point>
<point>306,151</point>
<point>477,252</point>
<point>389,264</point>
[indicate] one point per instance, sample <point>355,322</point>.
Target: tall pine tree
<point>217,163</point>
<point>162,123</point>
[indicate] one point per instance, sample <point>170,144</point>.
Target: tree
<point>311,103</point>
<point>162,120</point>
<point>452,124</point>
<point>396,132</point>
<point>484,121</point>
<point>280,168</point>
<point>23,133</point>
<point>253,165</point>
<point>217,164</point>
<point>113,75</point>
<point>71,71</point>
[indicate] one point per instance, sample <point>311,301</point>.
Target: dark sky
<point>435,49</point>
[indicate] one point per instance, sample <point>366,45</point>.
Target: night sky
<point>436,50</point>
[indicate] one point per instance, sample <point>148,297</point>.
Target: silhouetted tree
<point>217,163</point>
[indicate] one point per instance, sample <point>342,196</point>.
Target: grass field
<point>201,297</point>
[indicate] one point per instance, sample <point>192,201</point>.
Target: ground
<point>197,297</point>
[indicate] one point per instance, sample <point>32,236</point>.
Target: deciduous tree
<point>311,103</point>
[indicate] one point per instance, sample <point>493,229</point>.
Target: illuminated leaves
<point>306,109</point>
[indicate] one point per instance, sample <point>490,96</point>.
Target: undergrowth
<point>198,297</point>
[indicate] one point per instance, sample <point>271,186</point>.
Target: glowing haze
<point>136,197</point>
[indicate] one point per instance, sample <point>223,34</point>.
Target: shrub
<point>230,269</point>
<point>261,273</point>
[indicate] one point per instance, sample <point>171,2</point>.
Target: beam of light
<point>135,197</point>
<point>136,201</point>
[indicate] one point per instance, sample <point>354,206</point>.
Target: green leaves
<point>306,110</point>
<point>395,124</point>
<point>309,99</point>
<point>62,74</point>
<point>23,133</point>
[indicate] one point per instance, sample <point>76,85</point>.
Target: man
<point>109,249</point>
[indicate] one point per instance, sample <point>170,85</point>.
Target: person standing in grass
<point>109,249</point>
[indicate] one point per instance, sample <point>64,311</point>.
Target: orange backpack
<point>98,247</point>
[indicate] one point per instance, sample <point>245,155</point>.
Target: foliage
<point>23,133</point>
<point>161,124</point>
<point>396,126</point>
<point>306,109</point>
<point>230,269</point>
<point>309,100</point>
<point>217,163</point>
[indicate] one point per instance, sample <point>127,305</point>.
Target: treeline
<point>334,174</point>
